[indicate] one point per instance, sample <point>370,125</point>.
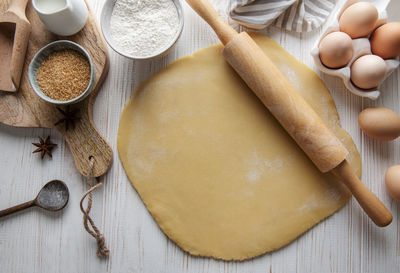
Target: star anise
<point>69,117</point>
<point>44,147</point>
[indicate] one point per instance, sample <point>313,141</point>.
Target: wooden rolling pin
<point>290,109</point>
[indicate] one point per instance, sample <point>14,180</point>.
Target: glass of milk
<point>62,17</point>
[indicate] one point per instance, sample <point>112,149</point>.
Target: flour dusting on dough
<point>293,78</point>
<point>333,194</point>
<point>155,154</point>
<point>167,116</point>
<point>257,166</point>
<point>310,204</point>
<point>142,167</point>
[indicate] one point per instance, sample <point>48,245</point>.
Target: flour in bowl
<point>143,27</point>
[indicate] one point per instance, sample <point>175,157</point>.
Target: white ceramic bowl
<point>105,27</point>
<point>46,51</point>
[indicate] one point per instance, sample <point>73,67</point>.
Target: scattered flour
<point>257,166</point>
<point>143,27</point>
<point>310,204</point>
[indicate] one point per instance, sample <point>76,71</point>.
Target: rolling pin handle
<point>375,209</point>
<point>205,9</point>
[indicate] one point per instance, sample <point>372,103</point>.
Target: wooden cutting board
<point>25,109</point>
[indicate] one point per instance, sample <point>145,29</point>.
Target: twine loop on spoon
<point>102,250</point>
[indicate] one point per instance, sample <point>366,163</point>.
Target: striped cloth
<point>294,15</point>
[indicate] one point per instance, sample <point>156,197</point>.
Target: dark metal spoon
<point>52,197</point>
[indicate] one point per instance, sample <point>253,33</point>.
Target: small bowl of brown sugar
<point>62,73</point>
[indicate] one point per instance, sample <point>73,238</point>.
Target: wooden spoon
<point>14,36</point>
<point>52,197</point>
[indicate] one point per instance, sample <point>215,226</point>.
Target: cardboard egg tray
<point>361,47</point>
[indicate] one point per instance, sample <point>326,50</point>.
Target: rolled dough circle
<point>216,171</point>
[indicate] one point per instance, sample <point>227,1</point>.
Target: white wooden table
<point>36,241</point>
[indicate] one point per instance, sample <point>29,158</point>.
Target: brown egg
<point>380,22</point>
<point>385,41</point>
<point>379,123</point>
<point>346,5</point>
<point>336,49</point>
<point>392,181</point>
<point>368,71</point>
<point>359,19</point>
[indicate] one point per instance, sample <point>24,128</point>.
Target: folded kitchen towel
<point>294,15</point>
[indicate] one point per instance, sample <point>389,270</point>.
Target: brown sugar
<point>64,75</point>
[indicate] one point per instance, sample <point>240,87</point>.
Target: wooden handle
<point>18,7</point>
<point>17,208</point>
<point>375,209</point>
<point>16,14</point>
<point>204,8</point>
<point>86,144</point>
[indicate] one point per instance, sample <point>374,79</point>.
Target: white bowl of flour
<point>142,29</point>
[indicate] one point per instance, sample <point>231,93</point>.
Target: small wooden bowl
<point>42,54</point>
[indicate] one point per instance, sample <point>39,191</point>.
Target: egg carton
<point>361,47</point>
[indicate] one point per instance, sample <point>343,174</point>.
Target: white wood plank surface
<point>35,241</point>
